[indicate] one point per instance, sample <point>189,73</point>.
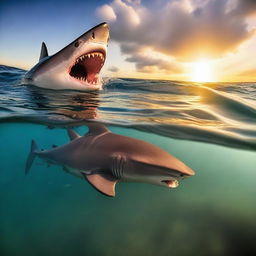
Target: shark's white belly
<point>73,171</point>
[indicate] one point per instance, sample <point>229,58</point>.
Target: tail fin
<point>31,156</point>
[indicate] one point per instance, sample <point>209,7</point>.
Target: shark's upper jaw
<point>86,67</point>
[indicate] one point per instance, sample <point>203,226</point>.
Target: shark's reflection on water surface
<point>65,106</point>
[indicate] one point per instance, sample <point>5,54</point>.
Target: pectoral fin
<point>104,185</point>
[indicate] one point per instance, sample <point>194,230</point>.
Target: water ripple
<point>217,113</point>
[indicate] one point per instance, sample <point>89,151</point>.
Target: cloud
<point>146,60</point>
<point>245,8</point>
<point>124,14</point>
<point>147,63</point>
<point>183,29</point>
<point>113,69</point>
<point>106,12</point>
<point>135,2</point>
<point>249,73</point>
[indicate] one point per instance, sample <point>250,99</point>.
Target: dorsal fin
<point>44,51</point>
<point>72,134</point>
<point>96,128</point>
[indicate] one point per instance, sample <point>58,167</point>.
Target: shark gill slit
<point>118,166</point>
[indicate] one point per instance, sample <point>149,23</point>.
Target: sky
<point>192,40</point>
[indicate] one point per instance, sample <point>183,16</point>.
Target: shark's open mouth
<point>87,67</point>
<point>171,183</point>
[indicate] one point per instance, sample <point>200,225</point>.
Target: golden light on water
<point>202,71</point>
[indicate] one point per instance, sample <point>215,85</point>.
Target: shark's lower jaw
<point>86,68</point>
<point>171,183</point>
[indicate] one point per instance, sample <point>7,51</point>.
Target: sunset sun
<point>202,71</point>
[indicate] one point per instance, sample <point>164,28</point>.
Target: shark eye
<point>93,35</point>
<point>77,43</point>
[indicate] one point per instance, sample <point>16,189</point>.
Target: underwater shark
<point>76,66</point>
<point>104,158</point>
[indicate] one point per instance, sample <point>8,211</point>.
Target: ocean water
<point>210,127</point>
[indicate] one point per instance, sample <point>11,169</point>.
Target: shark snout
<point>101,33</point>
<point>187,173</point>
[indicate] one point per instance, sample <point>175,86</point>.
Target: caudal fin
<point>31,156</point>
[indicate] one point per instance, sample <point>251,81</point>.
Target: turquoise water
<point>51,212</point>
<point>210,128</point>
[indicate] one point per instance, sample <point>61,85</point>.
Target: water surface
<point>210,127</point>
<point>222,113</point>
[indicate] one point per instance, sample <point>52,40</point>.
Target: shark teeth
<point>83,79</point>
<point>91,55</point>
<point>86,67</point>
<point>171,183</point>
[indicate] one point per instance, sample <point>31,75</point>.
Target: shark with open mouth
<point>77,66</point>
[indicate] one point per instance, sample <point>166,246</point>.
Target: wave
<point>220,113</point>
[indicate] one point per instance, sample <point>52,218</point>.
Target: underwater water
<point>210,127</point>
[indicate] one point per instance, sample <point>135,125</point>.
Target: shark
<point>77,66</point>
<point>104,158</point>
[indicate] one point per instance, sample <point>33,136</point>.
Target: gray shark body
<point>76,66</point>
<point>104,158</point>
